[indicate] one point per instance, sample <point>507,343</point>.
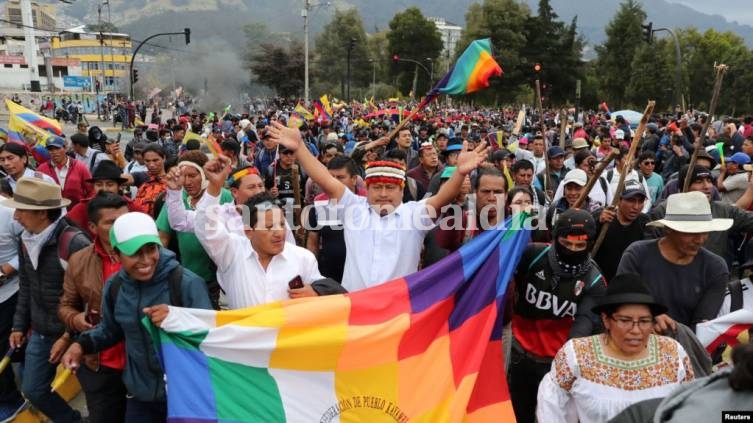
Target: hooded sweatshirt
<point>121,320</point>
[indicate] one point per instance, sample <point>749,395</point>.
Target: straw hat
<point>690,212</point>
<point>35,194</point>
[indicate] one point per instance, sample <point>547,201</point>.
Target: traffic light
<point>351,43</point>
<point>648,32</point>
<point>395,58</point>
<point>135,77</point>
<point>187,33</point>
<point>537,67</point>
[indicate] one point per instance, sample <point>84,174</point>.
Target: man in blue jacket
<point>150,275</point>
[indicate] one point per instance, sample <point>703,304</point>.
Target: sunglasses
<point>649,162</point>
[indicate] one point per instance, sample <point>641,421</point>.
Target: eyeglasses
<point>627,323</point>
<point>649,162</point>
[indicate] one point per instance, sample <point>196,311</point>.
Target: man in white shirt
<point>383,235</point>
<point>254,267</point>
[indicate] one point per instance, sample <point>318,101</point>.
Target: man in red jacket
<point>67,172</point>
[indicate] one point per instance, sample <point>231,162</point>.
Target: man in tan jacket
<point>88,270</point>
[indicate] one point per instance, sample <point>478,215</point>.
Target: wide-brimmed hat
<point>35,194</point>
<point>690,212</point>
<point>628,288</point>
<point>107,170</point>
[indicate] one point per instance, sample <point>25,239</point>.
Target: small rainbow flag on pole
<point>426,347</point>
<point>470,73</point>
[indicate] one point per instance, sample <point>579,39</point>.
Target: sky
<point>733,10</point>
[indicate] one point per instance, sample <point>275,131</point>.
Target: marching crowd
<point>94,239</point>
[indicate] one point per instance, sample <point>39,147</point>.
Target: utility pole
<point>351,45</point>
<point>305,14</point>
<point>373,78</point>
<point>30,45</point>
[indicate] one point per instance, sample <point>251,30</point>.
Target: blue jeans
<point>37,377</point>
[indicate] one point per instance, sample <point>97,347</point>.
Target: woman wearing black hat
<point>594,378</point>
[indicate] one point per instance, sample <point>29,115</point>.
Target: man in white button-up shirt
<point>253,267</point>
<point>383,235</point>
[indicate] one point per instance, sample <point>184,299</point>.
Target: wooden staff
<point>720,69</point>
<point>597,174</point>
<point>519,121</point>
<point>563,127</point>
<point>626,168</point>
<point>295,174</point>
<point>547,174</point>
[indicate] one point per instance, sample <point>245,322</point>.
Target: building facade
<point>103,56</point>
<point>450,33</point>
<point>43,15</point>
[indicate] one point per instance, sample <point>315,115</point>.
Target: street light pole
<point>431,75</point>
<point>186,32</point>
<point>305,14</point>
<point>351,45</point>
<point>678,68</point>
<point>373,78</point>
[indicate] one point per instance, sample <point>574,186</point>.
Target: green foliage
<point>332,51</point>
<point>413,37</point>
<point>624,36</point>
<point>279,68</point>
<point>652,77</point>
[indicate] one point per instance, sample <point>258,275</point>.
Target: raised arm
<point>291,138</point>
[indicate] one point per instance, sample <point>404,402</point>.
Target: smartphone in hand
<point>296,283</point>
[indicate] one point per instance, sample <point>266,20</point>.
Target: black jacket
<point>40,289</point>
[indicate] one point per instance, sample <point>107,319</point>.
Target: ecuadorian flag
<point>423,348</point>
<point>22,118</point>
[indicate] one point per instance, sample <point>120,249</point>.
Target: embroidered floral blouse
<point>587,385</point>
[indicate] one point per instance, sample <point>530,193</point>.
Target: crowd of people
<point>106,232</point>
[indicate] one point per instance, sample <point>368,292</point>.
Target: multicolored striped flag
<point>295,120</point>
<point>470,73</point>
<point>426,347</point>
<point>22,118</point>
<point>325,102</point>
<point>323,115</point>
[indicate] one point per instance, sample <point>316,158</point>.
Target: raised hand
<point>174,179</point>
<point>471,159</point>
<point>218,169</point>
<point>289,137</point>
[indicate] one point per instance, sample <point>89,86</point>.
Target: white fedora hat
<point>690,212</point>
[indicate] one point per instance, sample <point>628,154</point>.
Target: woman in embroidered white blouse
<point>594,378</point>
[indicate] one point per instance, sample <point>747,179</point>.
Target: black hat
<point>502,154</point>
<point>107,170</point>
<point>454,144</point>
<point>628,288</point>
<point>575,222</point>
<point>699,172</point>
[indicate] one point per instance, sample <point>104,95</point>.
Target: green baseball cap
<point>132,231</point>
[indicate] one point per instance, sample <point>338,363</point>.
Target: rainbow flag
<point>22,118</point>
<point>426,347</point>
<point>471,72</point>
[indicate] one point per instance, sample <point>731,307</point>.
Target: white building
<point>450,35</point>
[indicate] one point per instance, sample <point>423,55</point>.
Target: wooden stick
<point>597,174</point>
<point>547,174</point>
<point>637,137</point>
<point>563,127</point>
<point>720,69</point>
<point>300,232</point>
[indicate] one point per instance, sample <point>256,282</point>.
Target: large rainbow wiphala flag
<point>423,348</point>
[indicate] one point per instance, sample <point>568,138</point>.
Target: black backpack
<point>173,284</point>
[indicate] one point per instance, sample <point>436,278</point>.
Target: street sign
<point>70,81</point>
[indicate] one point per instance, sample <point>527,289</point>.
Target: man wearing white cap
<point>682,275</point>
<point>150,277</point>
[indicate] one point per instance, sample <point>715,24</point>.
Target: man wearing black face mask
<point>555,288</point>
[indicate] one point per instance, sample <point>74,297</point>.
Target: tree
<point>652,76</point>
<point>332,50</point>
<point>558,48</point>
<point>624,36</point>
<point>504,22</point>
<point>279,68</point>
<point>413,37</point>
